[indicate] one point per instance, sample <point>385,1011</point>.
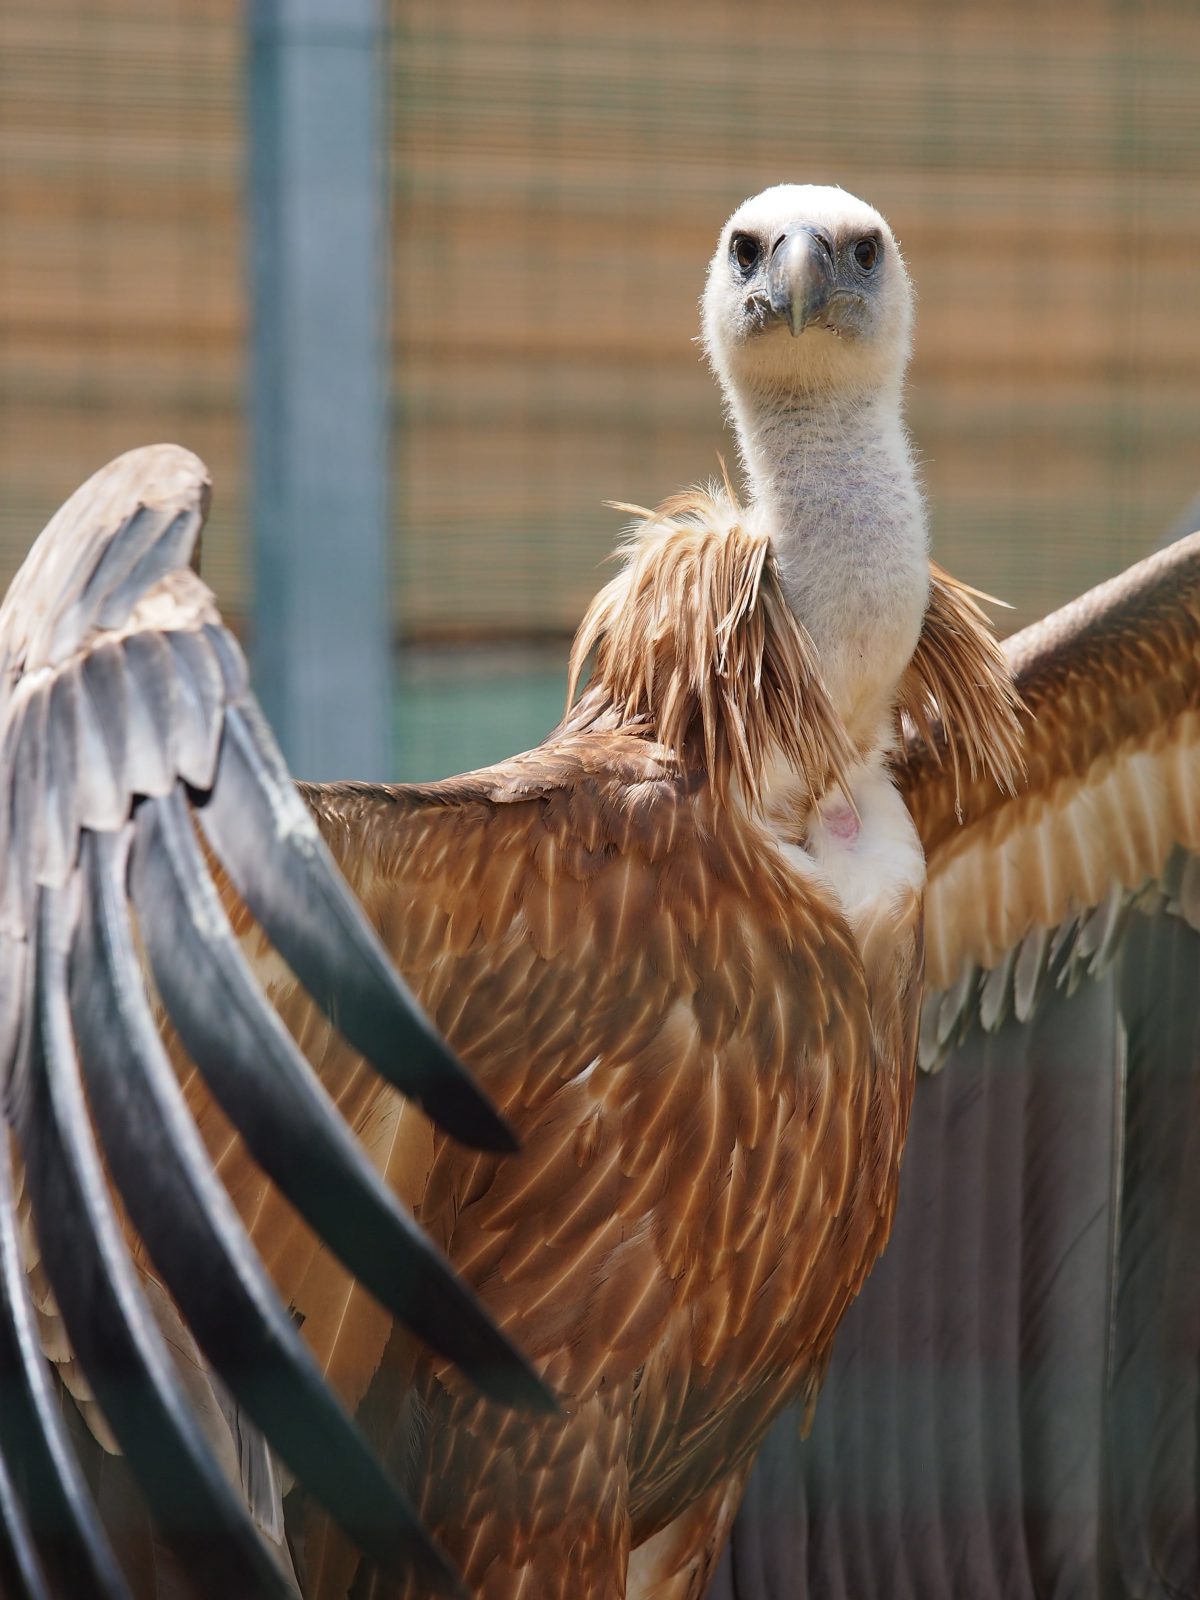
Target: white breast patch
<point>868,855</point>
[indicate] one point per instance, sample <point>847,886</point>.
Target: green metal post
<point>319,381</point>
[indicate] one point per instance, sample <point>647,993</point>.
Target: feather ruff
<point>696,645</point>
<point>957,694</point>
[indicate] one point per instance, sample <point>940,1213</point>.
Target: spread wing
<point>1012,1404</point>
<point>1039,884</point>
<point>127,727</point>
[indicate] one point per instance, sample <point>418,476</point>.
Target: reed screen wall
<point>560,171</point>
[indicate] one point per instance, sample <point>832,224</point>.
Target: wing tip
<point>161,477</point>
<point>520,1385</point>
<point>161,469</point>
<point>468,1115</point>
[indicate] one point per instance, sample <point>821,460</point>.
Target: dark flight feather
<point>119,691</point>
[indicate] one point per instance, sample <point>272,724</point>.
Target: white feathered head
<point>807,291</point>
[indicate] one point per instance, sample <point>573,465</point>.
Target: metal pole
<point>318,383</point>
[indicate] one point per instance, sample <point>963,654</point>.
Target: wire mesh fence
<point>559,174</point>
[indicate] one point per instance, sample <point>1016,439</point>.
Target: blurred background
<point>558,173</point>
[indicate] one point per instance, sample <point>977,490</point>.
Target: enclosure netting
<point>560,170</point>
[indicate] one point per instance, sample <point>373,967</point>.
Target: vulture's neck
<point>833,483</point>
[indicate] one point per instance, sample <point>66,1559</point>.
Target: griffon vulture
<point>679,945</point>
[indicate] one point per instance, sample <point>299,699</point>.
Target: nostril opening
<point>819,234</point>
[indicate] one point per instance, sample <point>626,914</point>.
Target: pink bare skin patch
<point>842,823</point>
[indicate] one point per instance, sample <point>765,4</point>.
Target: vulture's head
<point>807,291</point>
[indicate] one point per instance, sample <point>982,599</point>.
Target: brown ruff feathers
<point>957,691</point>
<point>696,644</point>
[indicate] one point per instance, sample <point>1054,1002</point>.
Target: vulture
<point>522,1329</point>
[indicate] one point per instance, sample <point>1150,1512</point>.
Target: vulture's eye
<point>866,253</point>
<point>745,251</point>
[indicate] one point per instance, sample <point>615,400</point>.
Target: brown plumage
<point>694,639</point>
<point>959,679</point>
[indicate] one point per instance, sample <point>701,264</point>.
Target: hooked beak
<point>800,280</point>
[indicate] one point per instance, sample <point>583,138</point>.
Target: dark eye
<point>866,253</point>
<point>745,251</point>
